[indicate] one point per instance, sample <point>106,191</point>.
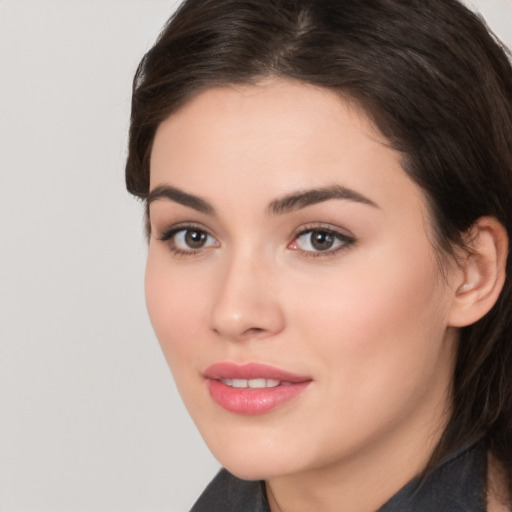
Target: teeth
<point>257,383</point>
<point>251,383</point>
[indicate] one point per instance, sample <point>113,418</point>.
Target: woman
<point>328,187</point>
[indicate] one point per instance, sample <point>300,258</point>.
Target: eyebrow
<point>286,204</point>
<point>299,200</point>
<point>180,197</point>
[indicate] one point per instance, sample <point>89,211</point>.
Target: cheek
<point>379,319</point>
<point>176,310</point>
<point>376,337</point>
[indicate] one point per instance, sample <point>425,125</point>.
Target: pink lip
<point>252,400</point>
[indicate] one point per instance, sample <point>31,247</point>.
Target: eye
<point>188,240</point>
<point>192,239</point>
<point>320,240</point>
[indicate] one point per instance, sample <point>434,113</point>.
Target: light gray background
<point>89,416</point>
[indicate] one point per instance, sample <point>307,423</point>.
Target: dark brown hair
<point>437,84</point>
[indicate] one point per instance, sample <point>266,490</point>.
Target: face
<point>292,283</point>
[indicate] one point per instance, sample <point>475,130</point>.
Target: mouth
<point>252,388</point>
<point>253,383</point>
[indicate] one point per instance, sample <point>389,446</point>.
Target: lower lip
<point>252,400</point>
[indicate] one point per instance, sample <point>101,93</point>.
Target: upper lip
<point>228,370</point>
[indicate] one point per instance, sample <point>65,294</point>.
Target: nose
<point>246,304</point>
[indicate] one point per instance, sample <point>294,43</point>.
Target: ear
<point>481,272</point>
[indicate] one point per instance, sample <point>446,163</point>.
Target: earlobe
<point>482,272</point>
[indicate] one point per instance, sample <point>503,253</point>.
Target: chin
<point>256,468</point>
<point>256,457</point>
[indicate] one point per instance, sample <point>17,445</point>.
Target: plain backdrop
<point>90,419</point>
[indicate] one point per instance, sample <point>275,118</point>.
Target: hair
<point>437,84</point>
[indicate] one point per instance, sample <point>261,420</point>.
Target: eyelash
<point>345,241</point>
<point>168,237</point>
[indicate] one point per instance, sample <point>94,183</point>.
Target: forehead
<point>272,103</point>
<point>276,136</point>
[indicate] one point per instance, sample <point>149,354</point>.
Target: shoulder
<point>498,498</point>
<point>227,493</point>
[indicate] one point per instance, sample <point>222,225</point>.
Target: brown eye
<point>322,240</point>
<point>317,241</point>
<point>188,240</point>
<point>195,239</point>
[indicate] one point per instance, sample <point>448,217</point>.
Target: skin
<point>370,323</point>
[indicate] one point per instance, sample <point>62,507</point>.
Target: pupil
<point>321,240</point>
<point>195,239</point>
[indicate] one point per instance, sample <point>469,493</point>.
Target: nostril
<point>247,333</point>
<point>254,330</point>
